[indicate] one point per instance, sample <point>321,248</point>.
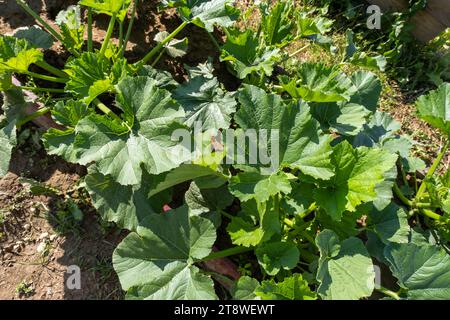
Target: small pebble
<point>41,247</point>
<point>53,237</point>
<point>27,226</point>
<point>43,236</point>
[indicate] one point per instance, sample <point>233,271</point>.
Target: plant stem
<point>308,211</point>
<point>33,116</point>
<point>38,18</point>
<point>229,216</point>
<point>35,89</point>
<point>89,31</point>
<point>46,26</point>
<point>214,41</point>
<point>44,65</point>
<point>121,36</point>
<point>130,26</point>
<point>432,215</point>
<point>289,223</point>
<point>225,253</point>
<point>401,196</point>
<point>160,45</point>
<point>388,293</point>
<point>307,256</point>
<point>47,78</point>
<point>108,35</point>
<point>432,169</point>
<point>158,57</point>
<point>295,53</point>
<point>106,110</point>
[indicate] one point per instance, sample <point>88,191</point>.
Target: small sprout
<point>25,288</point>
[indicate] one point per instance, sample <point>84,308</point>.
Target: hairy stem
<point>432,215</point>
<point>108,35</point>
<point>121,36</point>
<point>47,78</point>
<point>89,31</point>
<point>313,207</point>
<point>432,170</point>
<point>103,108</point>
<point>44,65</point>
<point>388,293</point>
<point>225,253</point>
<point>36,89</point>
<point>214,41</point>
<point>130,26</point>
<point>33,116</point>
<point>401,196</point>
<point>46,26</point>
<point>160,45</point>
<point>158,57</point>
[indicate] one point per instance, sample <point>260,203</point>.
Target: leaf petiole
<point>89,30</point>
<point>225,253</point>
<point>130,26</point>
<point>47,78</point>
<point>388,293</point>
<point>160,45</point>
<point>44,65</point>
<point>36,89</point>
<point>432,215</point>
<point>33,116</point>
<point>401,196</point>
<point>433,169</point>
<point>46,26</point>
<point>109,33</point>
<point>102,107</point>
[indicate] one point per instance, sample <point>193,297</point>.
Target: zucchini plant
<point>297,168</point>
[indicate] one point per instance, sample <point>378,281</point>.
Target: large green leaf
<point>345,268</point>
<point>423,271</point>
<point>291,288</point>
<point>253,185</point>
<point>275,256</point>
<point>256,223</point>
<point>206,103</point>
<point>206,13</point>
<point>37,37</point>
<point>242,51</point>
<point>357,174</point>
<point>294,137</point>
<point>434,108</point>
<point>157,262</point>
<point>245,288</point>
<point>345,118</point>
<point>142,140</point>
<point>390,224</point>
<point>128,206</point>
<point>205,200</point>
<point>206,177</point>
<point>92,74</point>
<point>276,22</point>
<point>61,141</point>
<point>16,55</point>
<point>109,7</point>
<point>367,89</point>
<point>316,82</point>
<point>309,26</point>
